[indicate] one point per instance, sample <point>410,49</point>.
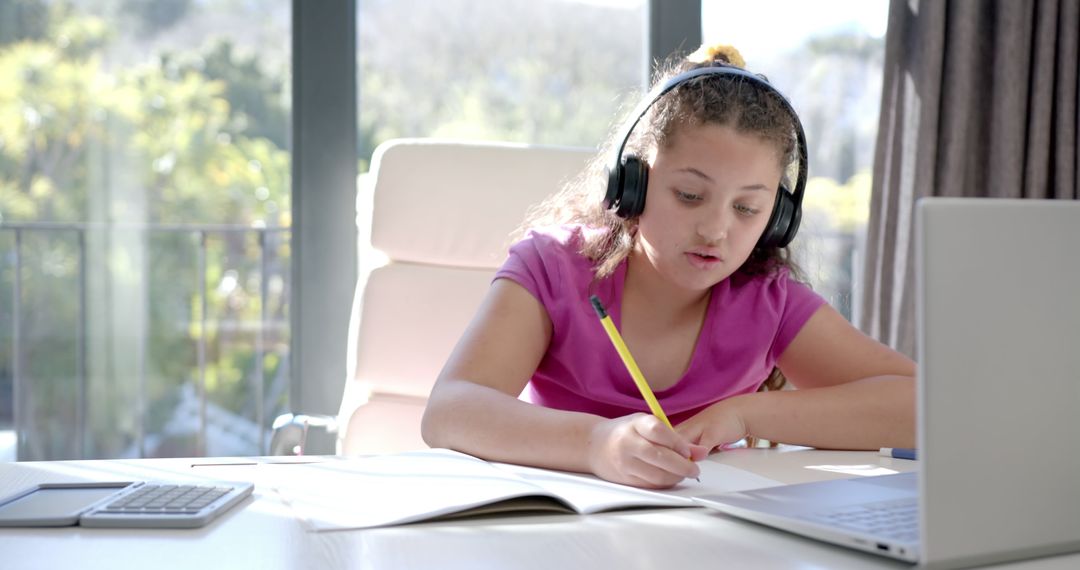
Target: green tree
<point>182,153</point>
<point>472,70</point>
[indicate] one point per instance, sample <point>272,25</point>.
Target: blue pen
<point>898,452</point>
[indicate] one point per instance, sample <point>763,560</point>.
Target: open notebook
<point>432,484</point>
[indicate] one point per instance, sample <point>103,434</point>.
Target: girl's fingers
<point>653,476</point>
<point>655,431</point>
<point>666,451</point>
<point>649,454</point>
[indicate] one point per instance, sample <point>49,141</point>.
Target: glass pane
<point>827,57</point>
<point>144,161</point>
<point>532,71</point>
<point>50,386</point>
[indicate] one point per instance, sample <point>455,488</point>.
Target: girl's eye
<point>687,196</point>
<point>746,210</point>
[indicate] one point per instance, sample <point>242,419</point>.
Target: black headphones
<point>628,176</point>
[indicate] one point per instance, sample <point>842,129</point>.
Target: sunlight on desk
<point>275,506</point>
<point>119,470</point>
<point>859,470</point>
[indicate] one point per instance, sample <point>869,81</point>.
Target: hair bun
<point>722,53</point>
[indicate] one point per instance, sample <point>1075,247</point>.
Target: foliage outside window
<point>530,71</point>
<point>827,57</point>
<point>122,123</point>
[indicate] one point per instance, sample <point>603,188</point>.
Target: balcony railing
<point>829,257</point>
<point>192,396</point>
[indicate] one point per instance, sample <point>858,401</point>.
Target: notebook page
<point>590,494</point>
<point>392,489</point>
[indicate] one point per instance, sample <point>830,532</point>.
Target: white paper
<point>390,489</point>
<point>592,494</point>
<point>421,485</point>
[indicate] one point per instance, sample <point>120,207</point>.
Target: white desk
<point>261,532</point>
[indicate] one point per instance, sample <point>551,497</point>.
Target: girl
<point>694,271</point>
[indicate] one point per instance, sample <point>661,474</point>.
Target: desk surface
<point>262,533</point>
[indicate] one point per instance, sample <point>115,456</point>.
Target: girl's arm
<point>474,407</point>
<point>852,393</point>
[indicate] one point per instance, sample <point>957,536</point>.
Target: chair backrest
<point>435,220</point>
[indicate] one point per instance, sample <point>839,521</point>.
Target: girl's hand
<point>717,425</point>
<point>640,450</point>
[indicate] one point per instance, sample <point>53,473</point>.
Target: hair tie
<point>722,53</point>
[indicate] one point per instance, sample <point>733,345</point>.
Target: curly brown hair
<point>705,100</point>
<point>708,99</point>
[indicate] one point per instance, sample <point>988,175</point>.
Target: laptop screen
<point>998,327</point>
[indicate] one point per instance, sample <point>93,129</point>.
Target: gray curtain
<point>979,99</point>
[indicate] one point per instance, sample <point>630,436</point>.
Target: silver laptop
<point>998,333</point>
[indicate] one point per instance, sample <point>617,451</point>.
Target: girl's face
<point>710,195</point>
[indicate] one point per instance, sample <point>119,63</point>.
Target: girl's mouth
<point>702,260</point>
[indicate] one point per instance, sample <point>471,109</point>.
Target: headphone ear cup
<point>635,181</point>
<point>795,220</point>
<point>614,187</point>
<point>783,222</point>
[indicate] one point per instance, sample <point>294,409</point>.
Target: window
<point>827,57</point>
<point>145,211</point>
<point>532,71</point>
<point>144,225</point>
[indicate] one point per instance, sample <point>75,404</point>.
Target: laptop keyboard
<point>898,520</point>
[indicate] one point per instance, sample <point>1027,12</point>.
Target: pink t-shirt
<point>749,322</point>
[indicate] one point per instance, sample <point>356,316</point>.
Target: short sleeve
<point>528,265</point>
<point>548,264</point>
<point>800,303</point>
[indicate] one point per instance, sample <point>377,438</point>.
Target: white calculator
<point>122,504</point>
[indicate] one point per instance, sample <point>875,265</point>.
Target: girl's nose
<point>713,225</point>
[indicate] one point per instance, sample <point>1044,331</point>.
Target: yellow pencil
<point>628,360</point>
<point>631,365</point>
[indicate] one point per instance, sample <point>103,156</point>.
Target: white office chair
<point>435,218</point>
